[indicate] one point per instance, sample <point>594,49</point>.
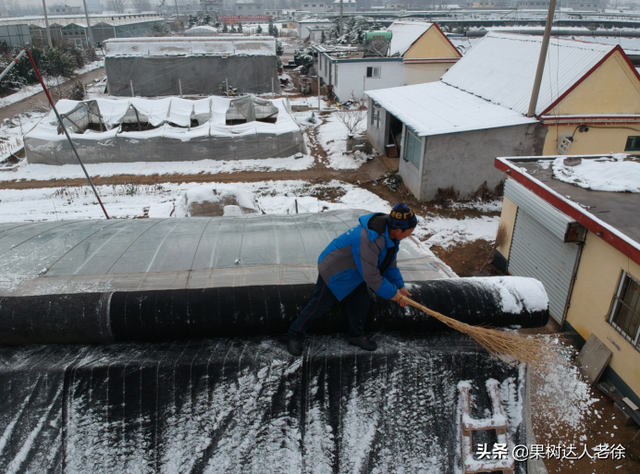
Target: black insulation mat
<point>165,315</point>
<point>244,405</point>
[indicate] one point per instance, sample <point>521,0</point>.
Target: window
<point>373,72</point>
<point>375,114</point>
<point>633,144</point>
<point>413,149</point>
<point>625,310</point>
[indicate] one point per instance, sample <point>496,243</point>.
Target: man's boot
<point>363,342</point>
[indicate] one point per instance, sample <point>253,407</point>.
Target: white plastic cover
<point>107,131</point>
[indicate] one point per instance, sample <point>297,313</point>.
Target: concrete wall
<point>432,44</point>
<point>303,27</point>
<point>203,75</point>
<point>612,89</point>
<point>597,282</point>
<point>421,73</point>
<point>464,161</point>
<point>351,77</point>
<point>598,139</point>
<point>377,131</point>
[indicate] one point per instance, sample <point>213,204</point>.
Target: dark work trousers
<point>357,303</point>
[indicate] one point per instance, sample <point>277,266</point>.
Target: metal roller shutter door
<point>537,253</point>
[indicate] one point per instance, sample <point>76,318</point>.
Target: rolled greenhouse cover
<point>179,314</point>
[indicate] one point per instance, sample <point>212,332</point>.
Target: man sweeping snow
<point>363,257</point>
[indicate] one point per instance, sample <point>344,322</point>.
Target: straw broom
<point>530,349</point>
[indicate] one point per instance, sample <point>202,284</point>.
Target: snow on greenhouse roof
<point>405,33</point>
<point>202,30</point>
<point>436,108</point>
<point>191,46</point>
<point>265,249</point>
<point>501,68</point>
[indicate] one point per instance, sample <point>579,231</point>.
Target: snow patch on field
<point>446,232</point>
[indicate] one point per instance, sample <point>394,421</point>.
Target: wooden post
<point>543,56</point>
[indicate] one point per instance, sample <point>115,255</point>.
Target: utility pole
<point>340,27</point>
<point>92,43</point>
<point>543,56</point>
<point>46,23</point>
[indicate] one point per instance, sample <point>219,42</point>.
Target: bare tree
<point>352,115</point>
<point>9,6</point>
<point>141,5</point>
<point>118,6</point>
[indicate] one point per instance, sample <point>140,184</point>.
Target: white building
<point>419,52</point>
<point>348,6</point>
<point>315,6</point>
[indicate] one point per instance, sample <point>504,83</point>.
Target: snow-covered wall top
<point>436,108</point>
<point>501,68</point>
<point>192,46</point>
<point>405,33</point>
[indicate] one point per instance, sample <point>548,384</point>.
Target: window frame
<point>418,140</point>
<point>617,303</point>
<point>633,143</point>
<point>371,72</point>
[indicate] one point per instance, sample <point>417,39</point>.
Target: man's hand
<point>399,294</point>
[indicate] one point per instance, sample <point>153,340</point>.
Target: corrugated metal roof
<point>501,68</point>
<point>405,33</point>
<point>436,108</point>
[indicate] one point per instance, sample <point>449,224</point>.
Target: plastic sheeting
<point>152,279</point>
<point>170,129</point>
<point>154,254</point>
<point>240,405</point>
<point>155,67</point>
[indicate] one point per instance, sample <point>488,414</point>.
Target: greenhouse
<point>155,67</point>
<point>170,129</point>
<point>130,345</point>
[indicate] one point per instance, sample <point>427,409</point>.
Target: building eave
<point>614,119</point>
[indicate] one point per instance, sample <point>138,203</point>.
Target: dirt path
<point>34,101</point>
<point>369,171</point>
